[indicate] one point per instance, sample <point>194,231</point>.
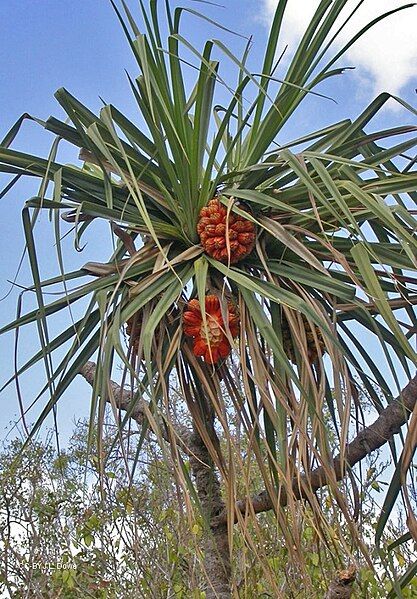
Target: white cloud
<point>385,57</point>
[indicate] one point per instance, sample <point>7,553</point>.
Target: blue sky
<point>45,44</point>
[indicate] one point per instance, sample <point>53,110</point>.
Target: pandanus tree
<point>248,270</point>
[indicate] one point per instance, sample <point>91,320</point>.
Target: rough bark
<point>215,541</point>
<point>372,437</point>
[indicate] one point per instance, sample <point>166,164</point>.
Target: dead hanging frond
<point>369,439</point>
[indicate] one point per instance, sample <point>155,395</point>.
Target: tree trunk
<point>215,540</point>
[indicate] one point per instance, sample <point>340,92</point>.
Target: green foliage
<point>63,530</point>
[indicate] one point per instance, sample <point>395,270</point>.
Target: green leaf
<point>373,288</point>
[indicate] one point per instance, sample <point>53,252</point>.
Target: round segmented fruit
<point>315,341</point>
<point>227,238</point>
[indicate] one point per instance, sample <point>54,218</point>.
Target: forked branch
<point>388,423</point>
<point>372,437</point>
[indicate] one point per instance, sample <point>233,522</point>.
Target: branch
<point>372,437</point>
<point>138,408</point>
